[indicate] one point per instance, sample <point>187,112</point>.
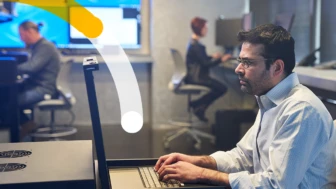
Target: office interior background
<point>161,25</point>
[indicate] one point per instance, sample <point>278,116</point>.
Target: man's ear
<point>278,67</point>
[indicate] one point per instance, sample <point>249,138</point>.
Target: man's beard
<point>245,89</point>
<point>257,88</point>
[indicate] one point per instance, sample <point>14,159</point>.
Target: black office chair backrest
<point>180,69</point>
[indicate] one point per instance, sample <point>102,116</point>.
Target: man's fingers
<point>159,162</point>
<point>157,165</point>
<point>166,171</point>
<point>171,176</point>
<point>168,161</point>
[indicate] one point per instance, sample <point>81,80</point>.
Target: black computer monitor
<point>285,20</point>
<point>104,3</point>
<point>121,27</point>
<point>227,29</point>
<point>123,16</point>
<point>226,32</point>
<point>6,11</point>
<point>54,28</point>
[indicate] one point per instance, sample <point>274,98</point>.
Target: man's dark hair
<point>27,24</point>
<point>278,44</point>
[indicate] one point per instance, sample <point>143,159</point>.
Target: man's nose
<point>239,69</point>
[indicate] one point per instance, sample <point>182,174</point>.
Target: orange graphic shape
<point>82,19</point>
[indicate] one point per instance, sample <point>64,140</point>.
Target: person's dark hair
<point>278,44</point>
<point>31,25</point>
<point>197,25</point>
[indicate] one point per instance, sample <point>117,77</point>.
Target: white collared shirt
<point>291,144</point>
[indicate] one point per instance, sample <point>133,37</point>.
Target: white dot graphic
<point>131,122</point>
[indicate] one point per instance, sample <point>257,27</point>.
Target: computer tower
<point>227,127</point>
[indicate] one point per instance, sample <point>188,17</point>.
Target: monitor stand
<point>96,125</point>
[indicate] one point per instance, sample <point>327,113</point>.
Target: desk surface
<point>323,79</point>
<point>134,59</point>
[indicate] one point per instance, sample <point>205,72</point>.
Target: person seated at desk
<point>42,68</point>
<point>292,142</point>
<point>198,65</point>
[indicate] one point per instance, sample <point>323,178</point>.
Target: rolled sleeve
<point>237,159</point>
<point>240,180</point>
<point>219,156</point>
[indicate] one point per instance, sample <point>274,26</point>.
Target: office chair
<point>65,101</point>
<point>178,86</point>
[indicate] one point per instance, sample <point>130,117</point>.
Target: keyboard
<point>150,179</point>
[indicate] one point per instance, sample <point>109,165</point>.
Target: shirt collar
<point>193,41</point>
<point>279,92</point>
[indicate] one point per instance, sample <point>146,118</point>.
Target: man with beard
<point>292,142</point>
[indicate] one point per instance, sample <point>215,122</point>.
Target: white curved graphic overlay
<point>120,67</point>
<point>127,89</point>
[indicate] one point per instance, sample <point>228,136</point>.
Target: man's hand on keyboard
<point>173,158</point>
<point>181,171</point>
<point>185,172</point>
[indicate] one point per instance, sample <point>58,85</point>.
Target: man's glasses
<point>248,62</point>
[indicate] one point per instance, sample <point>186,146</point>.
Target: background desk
<point>321,79</point>
<point>322,83</point>
<point>134,59</point>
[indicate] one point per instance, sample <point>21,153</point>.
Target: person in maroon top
<point>198,65</point>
